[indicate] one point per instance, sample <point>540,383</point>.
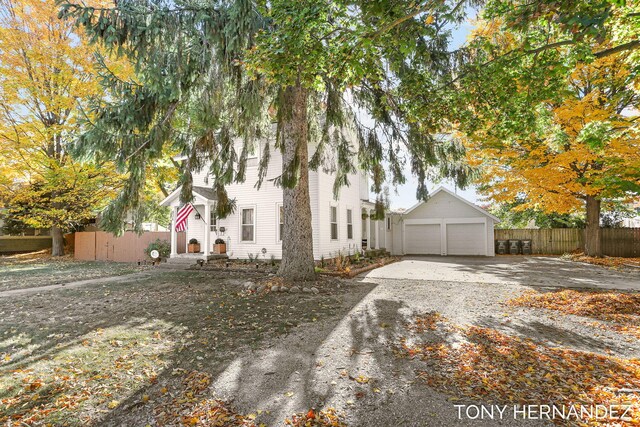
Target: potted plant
<point>194,246</point>
<point>219,247</point>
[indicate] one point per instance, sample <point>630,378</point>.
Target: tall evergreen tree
<point>211,72</point>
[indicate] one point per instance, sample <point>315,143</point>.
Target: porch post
<point>174,233</point>
<point>377,224</point>
<point>369,230</point>
<point>207,230</point>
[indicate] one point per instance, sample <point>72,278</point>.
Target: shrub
<point>162,246</point>
<point>193,241</point>
<point>219,241</point>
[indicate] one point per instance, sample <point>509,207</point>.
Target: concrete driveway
<point>520,270</point>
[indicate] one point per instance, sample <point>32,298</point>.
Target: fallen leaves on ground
<point>72,385</point>
<point>426,322</point>
<point>325,418</point>
<point>493,367</point>
<point>190,406</point>
<point>608,261</point>
<point>621,309</point>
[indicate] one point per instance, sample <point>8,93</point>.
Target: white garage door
<point>422,239</point>
<point>465,239</point>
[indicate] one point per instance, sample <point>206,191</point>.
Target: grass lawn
<point>94,354</point>
<point>20,271</point>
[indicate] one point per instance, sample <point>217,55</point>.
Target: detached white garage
<point>446,224</point>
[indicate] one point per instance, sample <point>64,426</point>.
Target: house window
<point>334,223</point>
<point>280,222</point>
<point>388,223</point>
<point>248,225</point>
<point>213,221</point>
<point>349,224</point>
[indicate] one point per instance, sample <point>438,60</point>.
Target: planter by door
<point>220,248</point>
<point>194,248</point>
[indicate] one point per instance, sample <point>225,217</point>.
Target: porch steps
<point>183,262</point>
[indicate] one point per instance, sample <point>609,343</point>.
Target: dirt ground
<point>123,353</point>
<point>21,272</point>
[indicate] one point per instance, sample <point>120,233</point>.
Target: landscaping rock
<point>260,288</point>
<point>306,290</point>
<point>249,286</point>
<point>294,289</point>
<point>315,291</point>
<point>275,288</point>
<point>283,289</point>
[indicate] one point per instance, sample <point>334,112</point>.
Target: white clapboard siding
<point>266,202</point>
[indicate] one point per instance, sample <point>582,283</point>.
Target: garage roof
<point>442,189</point>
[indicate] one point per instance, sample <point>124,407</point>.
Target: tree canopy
<point>549,105</point>
<point>46,72</point>
<point>209,73</point>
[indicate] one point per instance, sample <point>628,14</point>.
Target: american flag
<point>183,214</point>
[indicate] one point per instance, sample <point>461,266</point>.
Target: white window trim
<point>255,228</point>
<point>278,236</point>
<point>331,206</point>
<point>213,223</point>
<point>347,209</point>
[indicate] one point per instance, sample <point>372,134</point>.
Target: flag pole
<point>194,208</point>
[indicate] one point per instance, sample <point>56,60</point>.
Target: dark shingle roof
<point>207,193</point>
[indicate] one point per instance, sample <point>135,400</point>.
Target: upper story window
<point>253,151</point>
<point>349,224</point>
<point>334,223</point>
<point>248,226</point>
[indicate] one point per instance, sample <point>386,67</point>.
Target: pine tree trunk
<point>297,242</point>
<point>57,241</point>
<point>592,231</point>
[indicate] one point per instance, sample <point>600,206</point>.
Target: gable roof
<point>451,193</point>
<point>204,193</point>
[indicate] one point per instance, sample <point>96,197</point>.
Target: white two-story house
<point>255,228</point>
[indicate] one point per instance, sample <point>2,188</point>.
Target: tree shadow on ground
<point>209,325</point>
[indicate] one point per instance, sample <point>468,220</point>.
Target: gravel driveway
<point>517,270</point>
<point>315,366</point>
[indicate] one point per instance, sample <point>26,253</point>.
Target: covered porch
<point>373,230</point>
<point>201,225</point>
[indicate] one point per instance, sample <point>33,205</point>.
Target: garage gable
<point>445,204</point>
<point>446,224</point>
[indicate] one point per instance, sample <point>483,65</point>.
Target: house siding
<point>266,202</point>
<point>196,227</point>
<point>348,198</point>
<point>443,205</point>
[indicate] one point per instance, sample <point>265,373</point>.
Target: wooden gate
<point>103,246</point>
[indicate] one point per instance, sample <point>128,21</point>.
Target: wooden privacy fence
<point>621,242</point>
<point>103,246</point>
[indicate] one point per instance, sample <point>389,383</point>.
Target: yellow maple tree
<point>580,146</point>
<point>48,74</point>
